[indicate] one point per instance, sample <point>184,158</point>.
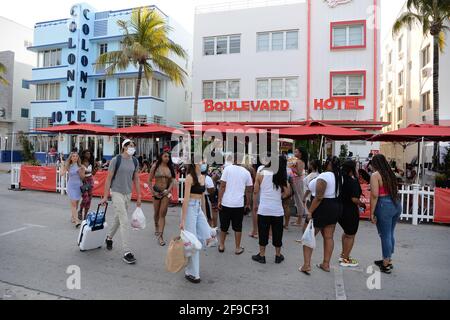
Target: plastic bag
<point>138,219</point>
<point>309,237</point>
<point>191,243</point>
<point>175,259</point>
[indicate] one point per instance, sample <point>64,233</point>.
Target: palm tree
<point>146,45</point>
<point>432,15</point>
<point>2,72</point>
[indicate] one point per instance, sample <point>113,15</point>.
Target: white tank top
<point>270,198</point>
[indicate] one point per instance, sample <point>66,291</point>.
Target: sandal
<point>320,266</point>
<point>162,243</point>
<point>221,250</point>
<point>307,272</point>
<point>254,236</point>
<point>241,251</point>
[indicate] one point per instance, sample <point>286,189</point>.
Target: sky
<point>28,12</point>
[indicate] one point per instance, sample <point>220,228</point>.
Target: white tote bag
<point>309,237</point>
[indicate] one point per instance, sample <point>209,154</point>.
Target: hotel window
<point>400,78</point>
<point>222,45</point>
<point>101,88</point>
<point>277,40</point>
<point>157,119</point>
<point>389,115</point>
<point>49,58</point>
<point>102,48</point>
<point>156,88</point>
<point>24,113</point>
<point>347,85</point>
<point>42,122</point>
<point>47,91</point>
<point>390,88</point>
<point>208,46</point>
<point>127,121</point>
<point>221,89</point>
<point>400,113</point>
<point>348,34</point>
<point>426,102</point>
<point>277,88</point>
<point>127,87</point>
<point>426,56</point>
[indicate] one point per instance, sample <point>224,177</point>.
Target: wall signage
<point>101,117</point>
<point>246,105</point>
<point>336,103</point>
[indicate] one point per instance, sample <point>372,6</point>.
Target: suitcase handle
<point>104,213</point>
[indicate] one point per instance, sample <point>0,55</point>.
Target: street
<point>38,244</point>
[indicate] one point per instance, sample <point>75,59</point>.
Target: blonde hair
<point>69,160</point>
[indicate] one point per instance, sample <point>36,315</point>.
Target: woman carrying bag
<point>74,183</point>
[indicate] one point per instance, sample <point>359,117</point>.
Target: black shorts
<point>327,213</point>
<point>208,207</point>
<point>349,220</point>
<point>265,223</point>
<point>233,216</point>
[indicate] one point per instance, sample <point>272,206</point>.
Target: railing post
<point>415,208</point>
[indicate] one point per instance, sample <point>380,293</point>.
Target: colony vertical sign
<point>78,57</point>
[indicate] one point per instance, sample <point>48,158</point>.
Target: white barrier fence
<point>417,202</point>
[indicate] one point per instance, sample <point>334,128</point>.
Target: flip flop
<point>221,250</point>
<point>239,252</point>
<point>254,236</point>
<point>319,265</point>
<point>304,271</point>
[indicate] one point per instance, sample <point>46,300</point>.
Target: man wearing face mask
<point>123,172</point>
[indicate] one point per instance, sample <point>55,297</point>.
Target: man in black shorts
<point>235,183</point>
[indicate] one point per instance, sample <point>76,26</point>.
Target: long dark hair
<point>349,166</point>
<point>304,156</point>
<point>315,164</point>
<point>169,164</point>
<point>381,165</point>
<point>336,169</point>
<point>280,178</point>
<point>191,170</point>
<point>83,156</point>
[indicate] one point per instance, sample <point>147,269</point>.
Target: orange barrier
<point>441,205</point>
<point>38,178</point>
<point>365,198</point>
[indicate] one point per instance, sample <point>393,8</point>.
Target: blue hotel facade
<point>69,88</point>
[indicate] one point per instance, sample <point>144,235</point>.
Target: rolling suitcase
<point>92,231</point>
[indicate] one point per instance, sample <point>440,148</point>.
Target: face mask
<point>203,167</point>
<point>131,151</point>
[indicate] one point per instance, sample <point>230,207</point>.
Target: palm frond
<point>405,19</point>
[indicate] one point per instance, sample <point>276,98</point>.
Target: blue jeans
<point>387,213</point>
<point>197,224</point>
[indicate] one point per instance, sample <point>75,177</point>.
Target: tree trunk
<point>436,96</point>
<point>136,95</point>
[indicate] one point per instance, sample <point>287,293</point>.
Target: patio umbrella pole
<point>420,160</point>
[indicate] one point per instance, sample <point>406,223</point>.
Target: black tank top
<point>198,189</point>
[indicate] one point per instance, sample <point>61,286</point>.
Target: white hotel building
<point>288,62</point>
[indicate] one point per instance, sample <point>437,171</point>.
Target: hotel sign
<point>77,59</point>
<point>246,105</point>
<point>336,103</point>
<point>103,117</point>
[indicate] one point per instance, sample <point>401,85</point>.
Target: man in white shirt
<point>235,183</point>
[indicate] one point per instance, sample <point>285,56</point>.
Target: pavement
<point>39,258</point>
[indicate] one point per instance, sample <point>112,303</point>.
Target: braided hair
<point>381,165</point>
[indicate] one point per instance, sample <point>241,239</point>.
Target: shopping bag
<point>191,243</point>
<point>138,219</point>
<point>175,259</point>
<point>309,237</point>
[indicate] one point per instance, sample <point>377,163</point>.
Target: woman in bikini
<point>164,174</point>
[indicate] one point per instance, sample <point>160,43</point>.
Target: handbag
<point>86,187</point>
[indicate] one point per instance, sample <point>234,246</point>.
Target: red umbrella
<point>77,128</point>
<point>145,130</point>
<point>316,129</point>
<point>415,132</point>
<point>222,127</point>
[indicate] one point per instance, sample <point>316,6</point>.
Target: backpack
<point>119,161</point>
